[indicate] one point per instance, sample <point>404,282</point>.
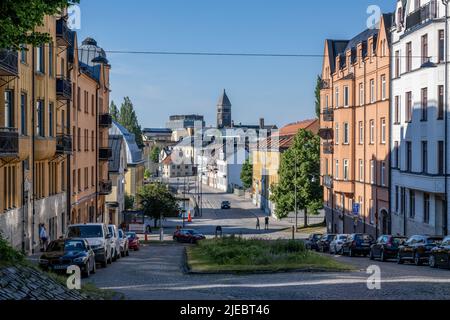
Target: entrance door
<point>386,222</point>
<point>439,216</point>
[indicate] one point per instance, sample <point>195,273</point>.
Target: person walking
<point>258,226</point>
<point>266,223</point>
<point>43,237</point>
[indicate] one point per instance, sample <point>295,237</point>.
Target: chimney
<point>261,123</point>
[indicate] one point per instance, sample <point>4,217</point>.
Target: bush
<point>9,254</point>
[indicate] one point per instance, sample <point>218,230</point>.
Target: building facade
<point>355,133</point>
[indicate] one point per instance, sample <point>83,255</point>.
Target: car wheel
<point>432,262</point>
<point>350,253</point>
<point>382,256</point>
<point>114,256</point>
<point>94,268</point>
<point>105,262</point>
<point>371,257</point>
<point>110,258</point>
<point>399,259</point>
<point>87,270</point>
<point>127,253</point>
<point>417,260</point>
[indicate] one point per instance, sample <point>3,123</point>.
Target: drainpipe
<point>97,156</point>
<point>445,220</point>
<point>33,137</point>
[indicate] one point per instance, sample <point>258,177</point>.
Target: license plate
<point>61,267</point>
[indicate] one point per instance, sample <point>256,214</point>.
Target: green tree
<point>317,95</point>
<point>157,202</point>
<point>18,19</point>
<point>114,111</point>
<point>154,155</point>
<point>129,202</point>
<point>147,174</point>
<point>128,119</point>
<point>247,174</point>
<point>300,166</point>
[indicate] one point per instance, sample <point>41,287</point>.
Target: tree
<point>157,202</point>
<point>147,174</point>
<point>247,174</point>
<point>154,155</point>
<point>114,111</point>
<point>300,166</point>
<point>18,18</point>
<point>317,94</point>
<point>129,202</point>
<point>128,119</point>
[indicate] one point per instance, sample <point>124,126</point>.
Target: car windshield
<point>131,235</point>
<point>69,245</point>
<point>363,237</point>
<point>434,240</point>
<point>330,237</point>
<point>120,234</point>
<point>111,230</point>
<point>342,237</point>
<point>85,232</point>
<point>398,241</point>
<point>317,236</point>
<point>191,232</point>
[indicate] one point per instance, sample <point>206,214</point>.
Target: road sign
<point>356,207</point>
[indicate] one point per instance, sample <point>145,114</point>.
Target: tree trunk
<point>156,221</point>
<point>306,218</point>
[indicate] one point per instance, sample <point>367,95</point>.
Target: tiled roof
<point>167,161</point>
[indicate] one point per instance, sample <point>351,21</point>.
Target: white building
<point>418,114</point>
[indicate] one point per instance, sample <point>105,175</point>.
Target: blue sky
<point>279,89</point>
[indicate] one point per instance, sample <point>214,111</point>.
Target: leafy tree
<point>300,166</point>
<point>154,155</point>
<point>128,119</point>
<point>18,19</point>
<point>247,174</point>
<point>147,174</point>
<point>157,202</point>
<point>129,202</point>
<point>317,94</point>
<point>114,111</point>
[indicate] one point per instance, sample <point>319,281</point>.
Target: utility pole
<point>295,197</point>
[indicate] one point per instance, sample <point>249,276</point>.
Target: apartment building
<point>355,131</point>
<point>35,94</point>
<point>418,140</point>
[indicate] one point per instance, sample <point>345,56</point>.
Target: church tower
<point>224,112</point>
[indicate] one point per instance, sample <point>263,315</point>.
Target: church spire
<point>224,111</point>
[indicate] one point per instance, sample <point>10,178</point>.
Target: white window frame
<point>372,171</point>
<point>361,170</point>
<point>383,130</point>
<point>372,131</point>
<point>346,169</point>
<point>383,87</point>
<point>372,91</point>
<point>383,174</point>
<point>336,138</point>
<point>336,92</point>
<point>361,132</point>
<point>346,133</point>
<point>361,94</point>
<point>346,96</point>
<point>337,169</point>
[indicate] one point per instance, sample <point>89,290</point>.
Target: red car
<point>190,236</point>
<point>133,241</point>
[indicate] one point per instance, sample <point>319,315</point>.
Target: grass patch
<point>9,256</point>
<point>237,255</point>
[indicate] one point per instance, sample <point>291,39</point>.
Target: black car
<point>440,255</point>
<point>225,205</point>
<point>311,243</point>
<point>357,243</point>
<point>187,235</point>
<point>323,244</point>
<point>61,254</point>
<point>386,247</point>
<point>418,249</point>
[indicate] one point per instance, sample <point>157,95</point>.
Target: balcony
<point>324,84</point>
<point>63,144</point>
<point>105,120</point>
<point>328,148</point>
<point>9,63</point>
<point>422,15</point>
<point>327,181</point>
<point>344,186</point>
<point>105,187</point>
<point>62,32</point>
<point>326,133</point>
<point>104,154</point>
<point>9,142</point>
<point>327,114</point>
<point>63,88</point>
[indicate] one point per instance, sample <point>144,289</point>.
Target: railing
<point>63,144</point>
<point>328,148</point>
<point>327,114</point>
<point>9,63</point>
<point>104,187</point>
<point>327,181</point>
<point>422,15</point>
<point>63,88</point>
<point>326,133</point>
<point>324,84</point>
<point>104,154</point>
<point>62,32</point>
<point>105,120</point>
<point>9,142</point>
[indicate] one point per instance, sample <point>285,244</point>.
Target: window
<point>40,58</point>
<point>403,201</point>
<point>92,177</point>
<point>440,115</point>
<point>361,132</point>
<point>79,180</point>
<point>372,91</point>
<point>408,106</point>
<point>79,139</point>
<point>23,53</point>
<point>424,157</point>
<point>92,104</point>
<point>424,105</point>
<point>50,59</point>
<point>372,132</point>
<point>345,169</point>
<point>336,97</point>
<point>416,4</point>
<point>396,155</point>
<point>383,174</point>
<point>426,208</point>
<point>383,130</point>
<point>397,64</point>
<point>397,194</point>
<point>412,204</point>
<point>408,156</point>
<point>9,109</point>
<point>441,48</point>
<point>50,119</point>
<point>424,48</point>
<point>23,114</point>
<point>346,96</point>
<point>408,57</point>
<point>397,110</point>
<point>373,172</point>
<point>40,110</point>
<point>336,138</point>
<point>86,178</point>
<point>74,139</point>
<point>337,170</point>
<point>93,140</point>
<point>361,170</point>
<point>441,157</point>
<point>383,87</point>
<point>74,181</point>
<point>346,133</point>
<point>361,94</point>
<point>79,99</point>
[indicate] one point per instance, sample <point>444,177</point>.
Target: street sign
<point>356,207</point>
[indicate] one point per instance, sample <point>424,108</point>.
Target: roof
<point>223,100</point>
<point>167,161</point>
<point>115,143</point>
<point>157,130</point>
<point>90,53</point>
<point>134,154</point>
<point>293,128</point>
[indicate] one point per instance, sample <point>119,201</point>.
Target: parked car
<point>115,242</point>
<point>133,241</point>
<point>188,235</point>
<point>337,243</point>
<point>61,254</point>
<point>98,237</point>
<point>226,205</point>
<point>123,241</point>
<point>323,245</point>
<point>386,247</point>
<point>440,255</point>
<point>417,249</point>
<point>357,243</point>
<point>311,243</point>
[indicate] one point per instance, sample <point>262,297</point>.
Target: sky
<point>281,90</point>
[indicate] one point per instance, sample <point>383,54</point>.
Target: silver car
<point>115,243</point>
<point>123,240</point>
<point>336,244</point>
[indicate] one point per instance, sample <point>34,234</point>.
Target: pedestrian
<point>267,223</point>
<point>219,231</point>
<point>258,226</point>
<point>43,237</point>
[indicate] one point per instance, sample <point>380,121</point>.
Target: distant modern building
<point>177,122</point>
<point>157,136</point>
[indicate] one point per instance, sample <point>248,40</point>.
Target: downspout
<point>97,156</point>
<point>445,220</point>
<point>391,76</point>
<point>364,142</point>
<point>33,138</point>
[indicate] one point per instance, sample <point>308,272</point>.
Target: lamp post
<point>295,197</point>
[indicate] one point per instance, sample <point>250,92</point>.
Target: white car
<point>123,240</point>
<point>98,237</point>
<point>115,241</point>
<point>336,244</point>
